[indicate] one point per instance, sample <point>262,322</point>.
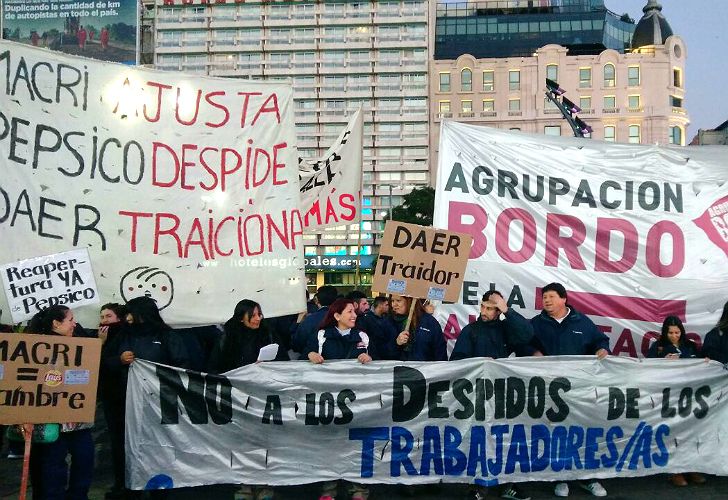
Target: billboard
<point>101,29</point>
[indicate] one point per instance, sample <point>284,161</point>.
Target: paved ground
<point>652,488</point>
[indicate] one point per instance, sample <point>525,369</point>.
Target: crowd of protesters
<point>333,327</point>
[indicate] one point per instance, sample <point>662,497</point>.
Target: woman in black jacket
<point>673,343</point>
<point>715,345</point>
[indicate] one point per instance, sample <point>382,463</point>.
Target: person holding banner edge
<point>715,344</point>
<point>674,344</point>
<point>338,338</point>
<point>498,332</point>
<point>560,330</point>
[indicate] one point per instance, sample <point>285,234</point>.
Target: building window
<point>552,72</point>
<point>467,107</point>
<point>445,82</point>
<point>514,105</point>
<point>610,79</point>
<point>633,102</point>
<point>634,134</point>
<point>585,103</point>
<point>514,80</point>
<point>444,106</point>
<point>585,78</point>
<point>610,102</point>
<point>676,102</point>
<point>677,77</point>
<point>554,130</point>
<point>488,105</point>
<point>676,135</point>
<point>488,81</point>
<point>633,76</point>
<point>466,80</point>
<point>609,133</point>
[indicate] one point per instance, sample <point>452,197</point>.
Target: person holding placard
<point>674,344</point>
<point>338,338</point>
<point>422,339</point>
<point>50,474</point>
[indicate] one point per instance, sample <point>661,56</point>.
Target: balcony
<point>488,114</point>
<point>444,115</point>
<point>515,113</point>
<point>610,110</point>
<point>639,109</point>
<point>466,114</point>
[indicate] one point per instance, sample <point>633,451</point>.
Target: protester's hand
<point>602,353</point>
<point>364,358</point>
<point>673,355</point>
<point>707,359</point>
<point>403,338</point>
<point>301,316</point>
<point>538,354</point>
<point>499,302</point>
<point>103,333</point>
<point>315,358</point>
<point>127,357</point>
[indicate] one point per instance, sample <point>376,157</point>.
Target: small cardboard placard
<point>421,262</point>
<point>32,285</point>
<point>48,378</point>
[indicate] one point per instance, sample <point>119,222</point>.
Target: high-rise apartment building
<point>492,59</point>
<point>339,55</point>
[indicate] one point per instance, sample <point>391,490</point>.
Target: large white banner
<point>522,419</point>
<point>331,185</point>
<point>635,233</point>
<point>183,188</point>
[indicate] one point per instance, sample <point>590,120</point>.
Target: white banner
<point>635,233</point>
<point>183,187</point>
<point>522,419</point>
<point>61,279</point>
<point>331,185</point>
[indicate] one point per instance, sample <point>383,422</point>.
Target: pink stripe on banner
<point>620,307</point>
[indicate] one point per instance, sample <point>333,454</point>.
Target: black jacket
<point>575,335</point>
<point>240,346</point>
<point>494,339</point>
<point>715,345</point>
<point>688,349</point>
<point>381,333</point>
<point>427,343</point>
<point>331,344</point>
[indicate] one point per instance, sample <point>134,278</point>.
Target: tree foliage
<point>417,207</point>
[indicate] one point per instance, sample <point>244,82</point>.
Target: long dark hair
<point>336,308</point>
<point>143,310</point>
<point>116,308</point>
<point>723,321</point>
<point>673,321</point>
<point>42,322</point>
<point>245,307</point>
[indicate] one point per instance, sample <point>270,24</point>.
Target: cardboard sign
<point>32,285</point>
<point>421,262</point>
<point>48,378</point>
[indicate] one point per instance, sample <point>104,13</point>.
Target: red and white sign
<point>635,233</point>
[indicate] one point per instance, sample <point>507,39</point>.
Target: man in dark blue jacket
<point>310,325</point>
<point>497,333</point>
<point>381,331</point>
<point>561,331</point>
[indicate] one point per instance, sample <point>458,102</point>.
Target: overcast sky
<point>703,25</point>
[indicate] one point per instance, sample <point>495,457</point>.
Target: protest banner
<point>48,378</point>
<point>422,262</point>
<point>496,421</point>
<point>331,185</point>
<point>183,188</point>
<point>105,29</point>
<point>635,233</point>
<point>65,279</point>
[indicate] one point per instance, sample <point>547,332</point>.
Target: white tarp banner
<point>182,187</point>
<point>32,285</point>
<point>331,185</point>
<point>635,233</point>
<point>521,419</point>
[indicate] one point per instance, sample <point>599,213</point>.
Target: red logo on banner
<point>714,222</point>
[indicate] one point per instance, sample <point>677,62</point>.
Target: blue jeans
<point>54,470</point>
